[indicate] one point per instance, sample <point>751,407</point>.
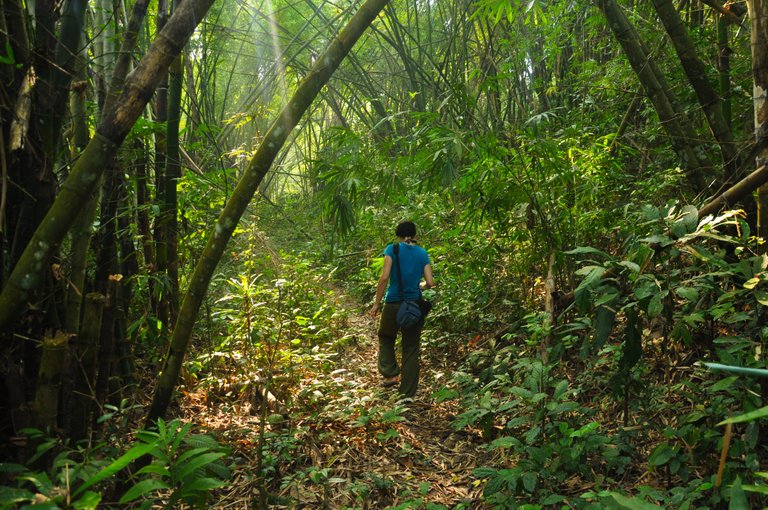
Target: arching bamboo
<point>258,167</point>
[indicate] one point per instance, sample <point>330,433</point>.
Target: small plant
<point>184,467</point>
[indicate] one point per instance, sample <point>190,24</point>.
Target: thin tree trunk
<point>106,343</point>
<point>81,231</point>
<point>142,207</point>
<point>697,76</point>
<point>50,375</point>
<point>258,166</point>
<point>724,66</point>
<point>169,205</point>
<point>112,130</point>
<point>87,349</point>
<point>160,303</point>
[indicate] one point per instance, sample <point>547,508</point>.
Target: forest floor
<point>352,444</point>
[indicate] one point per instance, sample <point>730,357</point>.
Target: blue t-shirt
<point>413,258</point>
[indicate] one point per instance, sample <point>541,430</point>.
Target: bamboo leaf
<point>750,416</point>
<point>143,488</point>
<point>132,454</point>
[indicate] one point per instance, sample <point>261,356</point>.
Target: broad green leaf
<point>591,274</point>
<point>632,266</point>
<point>7,467</point>
<point>589,427</point>
<point>206,484</point>
<point>529,481</point>
<point>633,503</point>
<point>89,501</point>
<point>750,416</point>
<point>198,462</point>
<point>604,322</point>
<point>661,455</point>
<point>690,218</point>
<point>10,497</point>
<point>484,472</point>
<point>761,297</point>
<point>560,388</point>
<point>655,306</point>
<point>738,500</point>
<point>688,293</point>
<point>505,442</point>
<point>587,250</point>
<point>760,489</point>
<point>143,489</point>
<point>132,454</point>
<point>553,499</point>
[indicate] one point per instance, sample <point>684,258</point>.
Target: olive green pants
<point>411,338</point>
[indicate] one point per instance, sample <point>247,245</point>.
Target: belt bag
<point>409,314</point>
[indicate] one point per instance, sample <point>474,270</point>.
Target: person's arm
<point>381,287</point>
<point>429,281</point>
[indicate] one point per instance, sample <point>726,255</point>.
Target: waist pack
<point>409,314</point>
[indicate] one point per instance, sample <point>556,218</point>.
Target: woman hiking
<point>413,262</point>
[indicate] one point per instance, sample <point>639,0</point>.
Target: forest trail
<point>364,448</point>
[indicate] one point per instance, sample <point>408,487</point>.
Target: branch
<point>737,192</point>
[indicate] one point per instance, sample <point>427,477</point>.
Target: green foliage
<point>532,422</point>
<point>183,467</point>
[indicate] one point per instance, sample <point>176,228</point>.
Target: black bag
<point>425,306</point>
<point>411,312</point>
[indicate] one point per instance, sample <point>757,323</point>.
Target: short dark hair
<point>405,229</point>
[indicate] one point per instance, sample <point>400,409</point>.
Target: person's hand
<point>374,311</point>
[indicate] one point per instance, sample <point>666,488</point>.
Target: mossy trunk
<point>85,369</point>
<point>50,375</point>
<point>28,273</point>
<point>169,205</point>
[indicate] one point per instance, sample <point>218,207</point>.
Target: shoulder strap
<point>396,249</point>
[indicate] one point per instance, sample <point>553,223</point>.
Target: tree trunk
<point>672,119</point>
<point>169,204</point>
<point>87,349</point>
<point>112,130</point>
<point>53,365</point>
<point>81,230</point>
<point>697,76</point>
<point>258,166</point>
<point>758,15</point>
<point>160,300</point>
<point>724,66</point>
<point>142,207</point>
<point>107,342</point>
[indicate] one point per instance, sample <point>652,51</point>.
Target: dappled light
<point>406,254</point>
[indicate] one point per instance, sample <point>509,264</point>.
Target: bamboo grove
<point>137,137</point>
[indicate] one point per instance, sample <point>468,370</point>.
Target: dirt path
<point>361,448</point>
